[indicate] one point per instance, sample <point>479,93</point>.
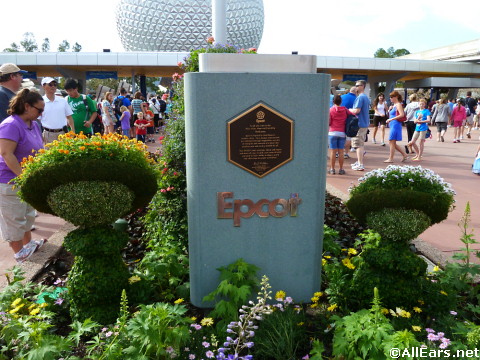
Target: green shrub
<point>91,203</point>
<point>386,222</point>
<point>99,275</point>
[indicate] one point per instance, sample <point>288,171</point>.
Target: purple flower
<point>205,344</point>
<point>288,300</point>
<point>453,312</point>
<point>249,344</point>
<point>191,356</point>
<point>428,330</point>
<point>209,354</point>
<point>108,334</point>
<point>440,335</point>
<point>196,326</point>
<point>306,357</point>
<point>432,337</point>
<point>59,301</point>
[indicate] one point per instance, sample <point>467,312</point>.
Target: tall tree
<point>63,46</point>
<point>29,43</point>
<point>13,48</point>
<point>46,45</point>
<point>390,53</point>
<point>77,47</point>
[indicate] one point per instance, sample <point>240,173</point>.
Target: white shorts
<point>106,121</point>
<point>16,216</point>
<point>470,119</point>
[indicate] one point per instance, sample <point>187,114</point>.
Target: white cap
<point>47,80</point>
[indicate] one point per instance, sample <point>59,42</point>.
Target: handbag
<point>402,119</point>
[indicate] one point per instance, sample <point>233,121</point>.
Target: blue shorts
<point>336,142</point>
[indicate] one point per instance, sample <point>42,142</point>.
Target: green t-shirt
<point>80,114</point>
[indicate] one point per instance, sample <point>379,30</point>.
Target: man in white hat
<point>56,114</point>
<point>11,78</point>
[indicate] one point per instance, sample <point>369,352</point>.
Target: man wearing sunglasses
<point>11,78</point>
<point>56,114</point>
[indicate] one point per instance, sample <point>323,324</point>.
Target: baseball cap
<point>9,68</point>
<point>47,80</point>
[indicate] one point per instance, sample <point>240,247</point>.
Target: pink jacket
<point>459,113</point>
<point>338,116</point>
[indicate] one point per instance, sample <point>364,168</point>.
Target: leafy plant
<point>237,282</point>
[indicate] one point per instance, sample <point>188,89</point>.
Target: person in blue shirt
<point>361,108</point>
<point>349,98</point>
<point>422,118</point>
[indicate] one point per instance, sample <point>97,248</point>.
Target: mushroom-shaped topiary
<point>399,202</point>
<point>91,181</point>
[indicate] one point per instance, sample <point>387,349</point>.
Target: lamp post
<point>219,21</point>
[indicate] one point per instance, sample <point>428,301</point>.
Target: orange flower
<point>82,148</point>
<point>41,151</point>
<point>99,148</point>
<point>66,151</point>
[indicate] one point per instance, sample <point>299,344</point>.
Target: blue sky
<point>336,28</point>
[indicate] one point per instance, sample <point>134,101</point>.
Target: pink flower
<point>205,344</point>
<point>432,337</point>
<point>175,174</point>
<point>108,334</point>
<point>163,190</point>
<point>176,77</point>
<point>210,40</point>
<point>180,64</point>
<point>191,356</point>
<point>209,354</point>
<point>161,137</point>
<point>252,49</point>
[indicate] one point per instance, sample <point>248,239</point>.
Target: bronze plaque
<point>260,140</point>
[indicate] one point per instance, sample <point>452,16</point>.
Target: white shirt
<point>54,116</point>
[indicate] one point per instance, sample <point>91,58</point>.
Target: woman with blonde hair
<point>441,118</point>
<point>396,113</point>
<point>108,115</point>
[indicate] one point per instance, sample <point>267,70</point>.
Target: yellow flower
<point>314,299</point>
<point>324,262</point>
<point>318,294</point>
<point>416,328</point>
<point>327,257</point>
<point>280,294</point>
<point>16,302</point>
<point>405,314</point>
<point>417,309</point>
<point>206,322</point>
<point>348,263</point>
<point>313,306</point>
<point>443,292</point>
<point>436,268</point>
<point>421,302</point>
<point>384,311</point>
<point>332,307</point>
<point>178,301</point>
<point>352,251</point>
<point>133,279</point>
<point>193,318</point>
<point>35,311</point>
<point>300,323</point>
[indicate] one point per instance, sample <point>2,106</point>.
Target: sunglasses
<point>39,110</point>
<point>52,84</point>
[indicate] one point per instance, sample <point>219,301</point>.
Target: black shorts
<point>150,130</point>
<point>382,120</point>
<point>156,120</point>
<point>132,120</point>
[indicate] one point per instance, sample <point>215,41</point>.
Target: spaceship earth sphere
<point>184,25</point>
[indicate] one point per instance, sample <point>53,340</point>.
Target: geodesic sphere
<point>184,25</point>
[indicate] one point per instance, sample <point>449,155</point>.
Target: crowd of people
<point>29,120</point>
<point>416,116</point>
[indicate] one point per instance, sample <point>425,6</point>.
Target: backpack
<point>351,125</point>
<point>117,104</point>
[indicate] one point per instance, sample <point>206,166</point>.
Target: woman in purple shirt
<point>19,135</point>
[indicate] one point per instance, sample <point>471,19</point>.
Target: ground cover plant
<point>153,318</point>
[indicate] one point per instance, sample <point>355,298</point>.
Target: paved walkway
<point>452,162</point>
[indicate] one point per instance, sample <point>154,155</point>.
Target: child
<point>476,162</point>
<point>141,127</point>
<point>125,121</point>
<point>150,126</point>
<point>422,118</point>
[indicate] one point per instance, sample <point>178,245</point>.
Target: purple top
<point>126,120</point>
<point>14,128</point>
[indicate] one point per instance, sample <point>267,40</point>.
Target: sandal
<point>388,161</point>
<point>405,158</point>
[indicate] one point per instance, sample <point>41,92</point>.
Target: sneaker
<point>331,171</point>
<point>374,141</point>
<point>461,138</point>
<point>358,167</point>
<point>36,243</point>
<point>346,156</point>
<point>336,155</point>
<point>341,172</point>
<point>382,144</point>
<point>469,136</point>
<point>25,253</point>
<point>353,149</point>
<point>354,164</point>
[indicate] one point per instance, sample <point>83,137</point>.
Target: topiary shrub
<point>94,206</point>
<point>91,182</point>
<point>98,275</point>
<point>399,203</point>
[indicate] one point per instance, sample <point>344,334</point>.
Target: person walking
<point>422,118</point>
<point>11,78</point>
<point>57,113</point>
<point>336,134</point>
<point>471,105</point>
<point>360,108</point>
<point>396,112</point>
<point>441,118</point>
<point>20,137</point>
<point>459,114</point>
<point>410,110</point>
<point>108,116</point>
<point>380,117</point>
